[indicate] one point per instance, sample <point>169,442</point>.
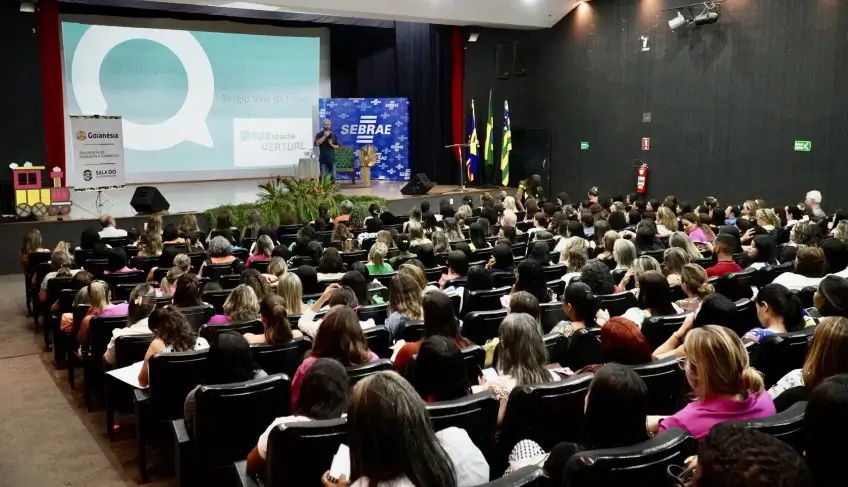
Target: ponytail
<point>274,315</point>
<point>793,314</point>
<point>752,381</point>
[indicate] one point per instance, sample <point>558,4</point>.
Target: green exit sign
<point>803,145</point>
<point>584,146</point>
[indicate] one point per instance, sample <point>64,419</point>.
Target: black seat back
<point>412,331</point>
<point>142,263</point>
<point>780,353</point>
<point>172,376</point>
<point>281,359</point>
<point>229,281</point>
<point>218,439</point>
<point>485,300</point>
<point>198,316</point>
<point>737,285</point>
<point>745,319</point>
<point>210,332</point>
<point>557,287</point>
<point>769,273</point>
<point>126,278</point>
<point>214,271</point>
<point>584,348</point>
<point>787,425</point>
<point>385,279</point>
<point>359,372</point>
<point>658,329</point>
<point>100,333</point>
<point>216,299</point>
<point>379,341</point>
<point>664,379</point>
<point>376,312</point>
<point>617,304</point>
<point>552,313</point>
<point>556,344</point>
<point>433,274</point>
<point>474,357</point>
<point>481,326</point>
<point>641,464</point>
<point>806,296</point>
<point>260,265</point>
<point>657,254</point>
<point>476,414</point>
<point>300,453</point>
<point>350,258</point>
<point>554,272</point>
<point>130,349</point>
<point>530,409</point>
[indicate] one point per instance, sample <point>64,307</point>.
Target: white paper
<point>129,374</point>
<point>490,373</point>
<point>341,463</point>
<point>396,348</point>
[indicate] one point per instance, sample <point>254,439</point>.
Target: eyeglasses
<point>681,362</point>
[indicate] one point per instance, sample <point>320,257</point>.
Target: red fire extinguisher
<point>642,179</point>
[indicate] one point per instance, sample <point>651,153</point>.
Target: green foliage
<point>299,198</point>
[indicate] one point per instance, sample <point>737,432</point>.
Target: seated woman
<point>61,263</point>
<point>415,269</point>
<point>697,230</point>
<point>439,373</point>
<point>725,385</point>
<point>524,302</point>
<point>101,307</point>
<point>172,334</point>
<point>694,283</point>
<point>229,361</point>
<point>340,337</point>
<point>168,284</point>
<point>276,268</point>
<point>188,230</point>
<point>187,293</point>
<point>31,244</point>
<point>531,278</point>
<point>274,317</point>
<point>810,268</point>
<point>372,227</point>
<point>117,262</point>
<point>666,221</point>
<point>539,252</point>
<point>142,303</point>
<point>502,259</point>
<point>309,279</point>
<point>478,237</point>
<point>171,236</point>
<point>580,306</point>
<point>831,298</point>
<point>377,264</point>
<point>826,358</point>
<point>150,245</point>
<point>416,234</point>
<point>330,267</point>
<point>457,267</point>
<point>608,425</point>
<point>220,252</point>
<point>624,253</point>
<point>645,238</point>
<point>623,342</point>
<point>171,257</point>
<point>452,231</point>
<point>439,319</point>
<point>404,304</point>
<point>392,442</point>
<point>682,241</point>
<point>674,260</point>
<point>575,260</point>
<point>609,240</point>
<point>254,280</point>
<point>264,247</point>
<point>334,295</point>
<point>241,306</point>
<point>779,311</point>
<point>441,244</point>
<point>523,358</point>
<point>404,252</point>
<point>323,395</point>
<point>598,277</point>
<point>824,418</point>
<point>763,252</point>
<point>654,298</point>
<point>223,228</point>
<point>290,290</point>
<point>340,235</point>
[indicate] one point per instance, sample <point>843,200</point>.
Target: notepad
<point>341,463</point>
<point>129,374</point>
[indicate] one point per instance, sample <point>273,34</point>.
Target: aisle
<point>46,438</point>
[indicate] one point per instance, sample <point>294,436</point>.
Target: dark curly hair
<point>170,326</point>
<point>598,277</point>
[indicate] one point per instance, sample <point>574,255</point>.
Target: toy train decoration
<point>33,200</point>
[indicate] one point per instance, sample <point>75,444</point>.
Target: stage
<point>196,197</point>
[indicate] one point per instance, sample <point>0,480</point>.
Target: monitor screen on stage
<point>197,104</point>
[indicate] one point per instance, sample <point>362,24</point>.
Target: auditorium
<point>432,243</point>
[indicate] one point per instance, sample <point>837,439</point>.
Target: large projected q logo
<point>188,124</point>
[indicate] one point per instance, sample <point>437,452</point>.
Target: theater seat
<point>787,425</point>
<point>641,464</point>
<point>746,317</point>
<point>780,353</point>
<point>617,304</point>
<point>476,414</point>
<point>487,300</point>
<point>379,341</point>
<point>806,296</point>
<point>658,329</point>
<point>281,359</point>
<point>210,332</point>
<point>376,312</point>
<point>299,453</point>
<point>481,326</point>
<point>664,379</point>
<point>198,316</point>
<point>358,372</point>
<point>216,299</point>
<point>529,476</point>
<point>737,285</point>
<point>556,344</point>
<point>769,273</point>
<point>412,331</point>
<point>552,313</point>
<point>554,272</point>
<point>584,348</point>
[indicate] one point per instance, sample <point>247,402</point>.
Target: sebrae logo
<point>366,129</point>
<point>81,135</point>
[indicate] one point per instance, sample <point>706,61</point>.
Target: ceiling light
<point>706,18</point>
<point>696,14</point>
<point>678,21</point>
<point>28,7</point>
<point>473,37</point>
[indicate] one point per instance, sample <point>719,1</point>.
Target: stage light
<point>473,37</point>
<point>28,7</point>
<point>706,18</point>
<point>678,21</point>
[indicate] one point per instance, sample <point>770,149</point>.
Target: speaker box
<point>519,58</point>
<point>419,185</point>
<point>148,199</point>
<point>503,61</point>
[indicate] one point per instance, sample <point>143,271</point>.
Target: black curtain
<point>424,77</point>
<point>362,62</point>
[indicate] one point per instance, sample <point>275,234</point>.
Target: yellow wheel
<point>23,210</point>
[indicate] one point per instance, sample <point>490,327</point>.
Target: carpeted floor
<point>47,437</point>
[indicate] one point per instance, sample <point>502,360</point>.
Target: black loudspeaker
<point>519,58</point>
<point>420,185</point>
<point>148,199</point>
<point>503,62</point>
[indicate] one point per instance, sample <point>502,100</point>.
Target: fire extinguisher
<point>642,179</point>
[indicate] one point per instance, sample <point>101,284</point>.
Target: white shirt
<point>262,445</point>
<point>469,464</point>
<point>843,273</point>
<point>112,232</point>
<point>199,344</point>
<point>796,282</point>
<point>794,378</point>
<point>309,325</point>
<point>139,328</point>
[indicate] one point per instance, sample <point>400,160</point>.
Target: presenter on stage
<point>327,144</point>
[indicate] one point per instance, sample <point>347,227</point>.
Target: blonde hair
<point>667,218</point>
<point>717,364</point>
<point>828,353</point>
<point>624,253</point>
<point>841,231</point>
<point>264,246</point>
<point>378,253</point>
<point>385,236</point>
<point>99,295</point>
<point>32,241</point>
<point>405,296</point>
<point>675,258</point>
<point>277,266</point>
<point>291,290</point>
<point>151,243</point>
<point>609,240</point>
<point>415,272</point>
<point>170,280</point>
<point>64,247</point>
<point>694,278</point>
<point>188,225</point>
<point>462,214</point>
<point>415,230</point>
<point>183,261</point>
<point>752,207</point>
<point>682,241</point>
<point>509,204</point>
<point>154,224</point>
<point>573,243</point>
<point>242,304</point>
<point>768,217</point>
<point>645,264</point>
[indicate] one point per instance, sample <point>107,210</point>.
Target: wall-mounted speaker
<point>503,61</point>
<point>519,58</point>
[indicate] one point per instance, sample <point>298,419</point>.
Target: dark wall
<point>22,120</point>
<point>727,100</point>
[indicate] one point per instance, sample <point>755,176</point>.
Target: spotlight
<point>706,18</point>
<point>709,14</point>
<point>473,37</point>
<point>678,21</point>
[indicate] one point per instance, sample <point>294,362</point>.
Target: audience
<point>654,298</point>
<point>334,295</point>
<point>241,306</point>
<point>810,268</point>
<point>172,333</point>
<point>682,241</point>
<point>624,253</point>
<point>404,304</point>
<point>439,319</point>
<point>377,264</point>
<point>779,311</point>
<point>831,297</point>
<point>440,370</point>
<point>694,283</point>
<point>290,290</point>
<point>263,250</point>
<point>674,259</point>
<point>101,307</point>
<point>723,248</point>
<point>580,307</point>
<point>141,305</point>
<point>220,252</point>
<point>272,312</point>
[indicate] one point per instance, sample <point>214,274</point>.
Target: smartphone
<point>341,464</point>
<point>489,373</point>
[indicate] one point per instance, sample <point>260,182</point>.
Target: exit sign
<point>584,146</point>
<point>803,145</point>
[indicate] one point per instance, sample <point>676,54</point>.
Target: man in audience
<point>733,456</point>
<point>109,228</point>
<point>723,249</point>
<point>813,200</point>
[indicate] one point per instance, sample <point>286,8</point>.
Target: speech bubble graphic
<point>188,124</point>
